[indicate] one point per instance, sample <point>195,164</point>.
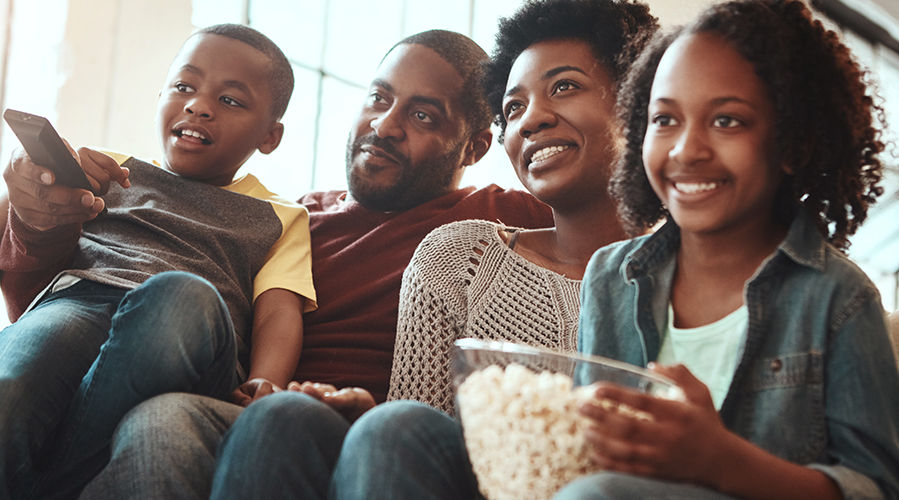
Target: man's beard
<point>416,183</point>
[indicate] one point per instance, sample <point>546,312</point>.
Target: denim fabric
<point>816,383</point>
<point>164,449</point>
<point>283,446</point>
<point>404,450</point>
<point>616,486</point>
<point>73,366</point>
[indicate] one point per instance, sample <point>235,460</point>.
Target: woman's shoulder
<point>459,236</point>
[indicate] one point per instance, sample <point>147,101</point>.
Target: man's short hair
<point>467,58</point>
<point>280,80</point>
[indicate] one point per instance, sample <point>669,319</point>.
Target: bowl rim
<point>516,348</point>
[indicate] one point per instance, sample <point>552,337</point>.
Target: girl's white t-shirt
<point>710,351</point>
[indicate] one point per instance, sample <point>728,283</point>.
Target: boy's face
<point>216,109</point>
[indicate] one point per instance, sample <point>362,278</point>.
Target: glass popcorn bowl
<point>518,408</point>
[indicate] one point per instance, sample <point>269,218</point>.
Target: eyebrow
<point>433,101</point>
<point>715,102</point>
<point>549,74</point>
<point>236,84</point>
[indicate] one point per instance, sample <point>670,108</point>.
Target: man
<point>422,123</point>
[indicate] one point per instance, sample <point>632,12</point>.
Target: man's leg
<point>43,357</point>
<point>164,449</point>
<point>617,486</point>
<point>173,333</point>
<point>283,446</point>
<point>404,450</point>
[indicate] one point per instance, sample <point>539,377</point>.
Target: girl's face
<point>558,107</point>
<point>708,150</point>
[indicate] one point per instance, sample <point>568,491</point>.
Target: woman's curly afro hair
<point>614,29</point>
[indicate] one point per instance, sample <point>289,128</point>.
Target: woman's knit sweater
<point>465,281</point>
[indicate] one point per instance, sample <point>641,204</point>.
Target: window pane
<point>359,33</point>
<point>296,26</point>
<point>340,107</point>
<point>288,169</point>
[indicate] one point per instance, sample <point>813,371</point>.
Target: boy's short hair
<point>281,76</point>
<point>614,29</point>
<point>468,58</point>
<point>827,124</point>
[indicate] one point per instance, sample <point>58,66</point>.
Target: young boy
<point>161,290</point>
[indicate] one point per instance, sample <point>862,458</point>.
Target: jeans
<point>617,486</point>
<point>404,450</point>
<point>282,446</point>
<point>164,449</point>
<point>74,365</point>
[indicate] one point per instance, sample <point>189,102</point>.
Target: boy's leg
<point>164,449</point>
<point>283,446</point>
<point>404,450</point>
<point>43,357</point>
<point>171,334</point>
<point>618,486</point>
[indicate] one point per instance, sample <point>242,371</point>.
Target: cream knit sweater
<point>464,281</point>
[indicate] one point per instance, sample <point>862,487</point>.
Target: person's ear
<point>477,147</point>
<point>272,139</point>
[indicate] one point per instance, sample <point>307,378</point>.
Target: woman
<point>551,83</point>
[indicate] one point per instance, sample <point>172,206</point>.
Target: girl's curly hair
<point>615,29</point>
<point>827,125</point>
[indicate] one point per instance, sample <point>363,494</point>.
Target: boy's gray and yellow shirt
<point>241,237</point>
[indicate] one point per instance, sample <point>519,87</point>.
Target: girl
<point>751,132</point>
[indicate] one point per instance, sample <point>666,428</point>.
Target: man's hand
<point>351,402</point>
<point>252,390</point>
<point>43,205</point>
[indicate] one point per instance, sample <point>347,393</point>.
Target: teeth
<point>695,187</point>
<point>547,152</point>
<point>193,133</point>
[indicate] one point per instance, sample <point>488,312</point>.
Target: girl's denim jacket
<point>817,382</point>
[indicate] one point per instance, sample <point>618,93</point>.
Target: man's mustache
<point>385,144</point>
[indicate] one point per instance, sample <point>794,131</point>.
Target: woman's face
<point>558,107</point>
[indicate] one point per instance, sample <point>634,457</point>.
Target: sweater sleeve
<point>30,259</point>
<point>432,313</point>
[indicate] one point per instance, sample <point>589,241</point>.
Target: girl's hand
<point>351,402</point>
<point>252,390</point>
<point>682,441</point>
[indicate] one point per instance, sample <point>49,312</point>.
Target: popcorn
<point>523,432</point>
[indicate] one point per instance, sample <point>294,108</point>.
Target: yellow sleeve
<point>289,261</point>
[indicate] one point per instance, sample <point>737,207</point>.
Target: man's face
<point>410,140</point>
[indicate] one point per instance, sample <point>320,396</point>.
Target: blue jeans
<point>164,449</point>
<point>282,446</point>
<point>404,450</point>
<point>617,486</point>
<point>74,365</point>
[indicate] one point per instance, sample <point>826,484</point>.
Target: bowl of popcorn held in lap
<point>519,411</point>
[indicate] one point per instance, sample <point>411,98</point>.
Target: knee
<point>398,422</point>
<point>180,289</point>
<point>289,415</point>
<point>602,485</point>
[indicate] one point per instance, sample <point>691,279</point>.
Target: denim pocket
<point>783,411</point>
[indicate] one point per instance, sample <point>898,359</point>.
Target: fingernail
<point>46,178</point>
<point>87,199</point>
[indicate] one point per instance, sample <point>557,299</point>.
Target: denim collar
<point>803,245</point>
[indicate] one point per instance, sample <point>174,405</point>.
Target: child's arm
<point>276,345</point>
<point>686,441</point>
